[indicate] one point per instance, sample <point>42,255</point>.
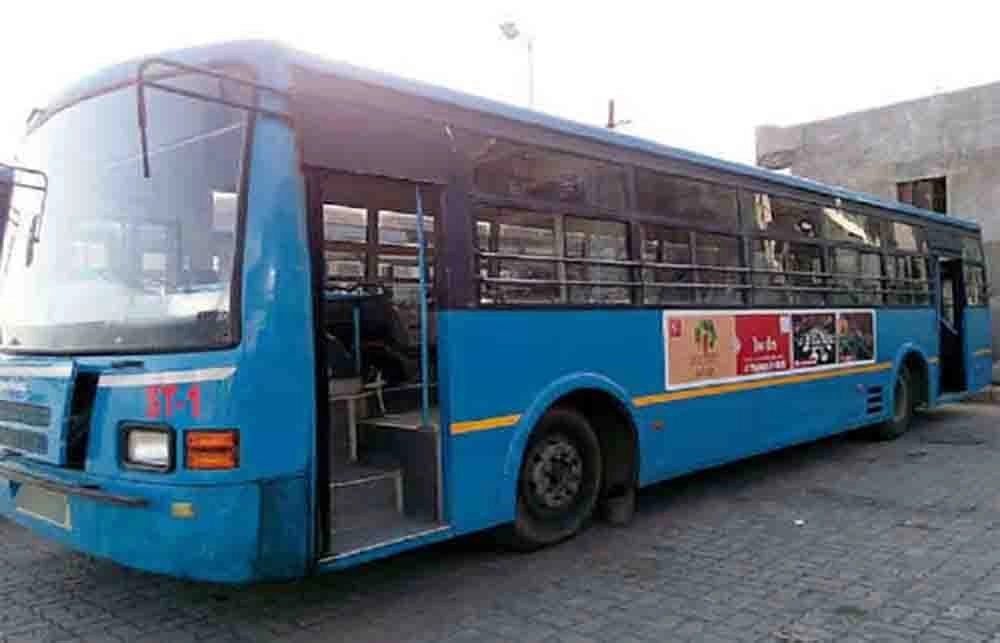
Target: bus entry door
<point>951,305</point>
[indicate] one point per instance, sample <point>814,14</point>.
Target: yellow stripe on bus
<point>501,421</point>
<point>984,352</point>
<point>487,423</point>
<point>660,398</point>
<point>933,360</point>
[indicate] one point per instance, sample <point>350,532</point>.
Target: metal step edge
<point>375,477</point>
<point>387,543</point>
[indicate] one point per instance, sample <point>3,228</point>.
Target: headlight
<point>150,448</point>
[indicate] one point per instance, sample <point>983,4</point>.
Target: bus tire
<point>902,412</point>
<point>618,509</point>
<point>558,483</point>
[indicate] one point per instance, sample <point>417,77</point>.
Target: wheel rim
<point>899,412</point>
<point>555,473</point>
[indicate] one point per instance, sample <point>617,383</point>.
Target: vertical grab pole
<point>425,396</point>
<point>356,319</point>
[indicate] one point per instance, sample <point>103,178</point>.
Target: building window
<point>929,194</point>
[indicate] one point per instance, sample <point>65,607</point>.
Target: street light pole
<point>511,31</point>
<point>531,71</point>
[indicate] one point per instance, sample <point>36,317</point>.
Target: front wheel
<point>559,481</point>
<point>902,413</point>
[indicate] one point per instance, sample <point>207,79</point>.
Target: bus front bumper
<point>235,533</point>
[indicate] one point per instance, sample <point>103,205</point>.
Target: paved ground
<point>842,540</point>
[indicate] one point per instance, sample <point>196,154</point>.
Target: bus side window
<point>589,244</point>
<point>722,282</point>
<point>975,286</point>
<point>787,273</point>
<point>666,253</point>
<point>344,234</point>
<point>522,269</point>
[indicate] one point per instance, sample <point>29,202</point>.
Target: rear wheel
<point>559,481</point>
<point>902,414</point>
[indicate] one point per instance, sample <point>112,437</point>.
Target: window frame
<point>879,293</point>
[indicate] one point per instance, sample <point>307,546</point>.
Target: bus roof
<point>270,55</point>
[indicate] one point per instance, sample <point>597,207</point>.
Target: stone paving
<point>841,540</point>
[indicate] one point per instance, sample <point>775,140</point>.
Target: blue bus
<point>279,316</point>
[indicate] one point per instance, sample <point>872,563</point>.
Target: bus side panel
<point>502,362</point>
<point>978,347</point>
<point>736,425</point>
<point>905,330</point>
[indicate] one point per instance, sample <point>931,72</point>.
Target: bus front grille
<point>23,440</point>
<point>27,414</point>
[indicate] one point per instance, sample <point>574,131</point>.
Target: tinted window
<point>971,250</point>
<point>400,229</point>
<point>696,202</point>
<point>904,236</point>
<point>907,280</point>
<point>587,239</point>
<point>787,273</point>
<point>858,277</point>
<point>975,286</point>
<point>662,245</point>
<point>516,279</point>
<point>714,275</point>
<point>722,285</point>
<point>509,169</point>
<point>785,217</point>
<point>343,223</point>
<point>841,225</point>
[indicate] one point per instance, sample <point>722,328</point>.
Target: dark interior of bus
<point>952,302</point>
<point>382,440</point>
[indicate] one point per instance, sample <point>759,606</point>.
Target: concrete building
<point>941,152</point>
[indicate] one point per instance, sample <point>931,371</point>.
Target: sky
<point>697,75</point>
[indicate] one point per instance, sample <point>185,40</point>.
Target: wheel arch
<point>605,404</point>
<point>914,357</point>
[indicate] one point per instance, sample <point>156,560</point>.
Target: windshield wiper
<point>142,82</point>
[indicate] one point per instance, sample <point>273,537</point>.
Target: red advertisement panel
<point>763,344</point>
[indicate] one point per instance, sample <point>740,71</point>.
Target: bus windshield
<point>118,262</point>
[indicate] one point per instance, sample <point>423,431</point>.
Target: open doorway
<point>379,352</point>
<point>951,324</point>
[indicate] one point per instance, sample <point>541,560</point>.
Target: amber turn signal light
<point>212,450</point>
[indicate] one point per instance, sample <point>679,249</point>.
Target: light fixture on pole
<point>511,31</point>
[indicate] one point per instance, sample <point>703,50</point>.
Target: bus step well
<point>365,496</point>
<point>368,508</point>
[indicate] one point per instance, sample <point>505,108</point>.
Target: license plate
<point>50,506</point>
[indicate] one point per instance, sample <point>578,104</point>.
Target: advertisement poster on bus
<point>709,347</point>
<point>701,348</point>
<point>855,337</point>
<point>815,341</point>
<point>762,342</point>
